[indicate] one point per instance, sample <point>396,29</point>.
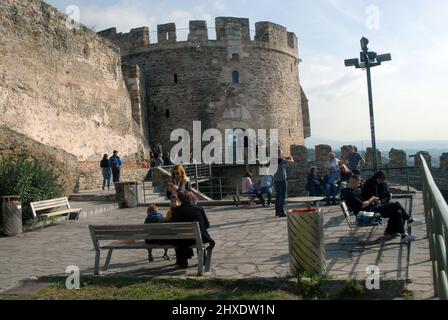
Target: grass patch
<point>113,288</point>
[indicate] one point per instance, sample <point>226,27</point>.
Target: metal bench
<point>52,208</point>
<point>408,201</point>
<point>155,231</point>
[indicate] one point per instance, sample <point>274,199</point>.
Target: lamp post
<point>369,59</point>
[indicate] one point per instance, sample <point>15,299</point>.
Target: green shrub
<point>311,285</point>
<point>29,179</point>
<point>352,289</point>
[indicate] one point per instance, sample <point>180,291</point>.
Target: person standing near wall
<point>105,169</point>
<point>331,179</point>
<point>158,161</point>
<point>354,160</point>
<point>281,184</point>
<point>115,164</point>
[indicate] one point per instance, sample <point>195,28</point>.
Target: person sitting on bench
<point>154,216</point>
<point>376,186</point>
<point>392,210</point>
<point>248,188</point>
<point>187,212</point>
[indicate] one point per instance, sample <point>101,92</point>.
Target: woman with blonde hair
<point>179,182</point>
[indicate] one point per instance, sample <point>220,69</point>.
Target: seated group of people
<point>337,175</point>
<point>263,186</point>
<point>374,196</point>
<point>182,209</point>
<point>332,183</point>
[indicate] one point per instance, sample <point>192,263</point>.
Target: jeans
<point>106,177</point>
<point>256,193</point>
<point>281,188</point>
<point>332,190</point>
<point>268,191</point>
<point>116,174</point>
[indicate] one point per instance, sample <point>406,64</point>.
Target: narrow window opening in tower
<point>235,77</point>
<point>175,78</point>
<point>290,133</point>
<point>291,67</point>
<point>167,113</point>
<point>235,57</point>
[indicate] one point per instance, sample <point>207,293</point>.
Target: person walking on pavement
<point>105,170</point>
<point>115,164</point>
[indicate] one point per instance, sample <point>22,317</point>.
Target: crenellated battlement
<point>232,30</point>
<point>134,39</point>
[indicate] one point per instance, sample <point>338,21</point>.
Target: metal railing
<point>196,173</point>
<point>436,213</point>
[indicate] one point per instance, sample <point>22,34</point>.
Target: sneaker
<point>408,238</point>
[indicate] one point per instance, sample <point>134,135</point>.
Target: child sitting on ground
<point>153,216</point>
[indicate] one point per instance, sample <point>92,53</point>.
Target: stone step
<point>148,184</point>
<point>93,197</point>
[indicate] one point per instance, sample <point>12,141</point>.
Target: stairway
<point>151,194</point>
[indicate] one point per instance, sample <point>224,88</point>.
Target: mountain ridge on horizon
<point>382,145</point>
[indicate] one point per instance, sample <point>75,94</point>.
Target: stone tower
<point>232,82</point>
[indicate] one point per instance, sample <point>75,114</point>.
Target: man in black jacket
<point>392,210</point>
<point>376,186</point>
<point>186,212</point>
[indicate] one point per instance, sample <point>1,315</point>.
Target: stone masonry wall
<point>193,80</point>
<point>396,170</point>
<point>90,177</point>
<point>62,87</point>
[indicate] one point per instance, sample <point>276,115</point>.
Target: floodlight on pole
<point>369,59</point>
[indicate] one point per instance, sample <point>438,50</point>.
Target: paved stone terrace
<point>250,243</point>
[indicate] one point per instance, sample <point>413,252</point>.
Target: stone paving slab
<point>250,243</point>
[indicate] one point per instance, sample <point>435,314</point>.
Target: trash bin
<point>12,215</point>
<point>306,241</point>
<point>126,194</point>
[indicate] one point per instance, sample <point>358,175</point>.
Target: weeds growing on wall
<point>30,179</point>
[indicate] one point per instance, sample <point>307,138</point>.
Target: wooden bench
<point>154,231</point>
<point>408,202</point>
<point>52,208</point>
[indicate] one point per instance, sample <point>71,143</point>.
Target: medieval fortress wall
<point>232,82</point>
<point>63,87</point>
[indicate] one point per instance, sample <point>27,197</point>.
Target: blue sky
<point>410,92</point>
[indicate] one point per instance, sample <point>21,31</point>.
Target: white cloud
<point>219,5</point>
<point>124,15</point>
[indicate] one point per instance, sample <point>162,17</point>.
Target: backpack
<point>365,218</point>
<point>114,162</point>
